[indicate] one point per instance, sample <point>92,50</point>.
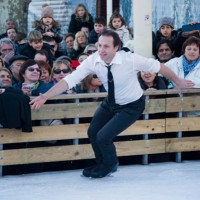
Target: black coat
<point>158,83</point>
<point>177,40</point>
<point>76,23</point>
<point>15,110</point>
<point>93,37</point>
<point>30,52</point>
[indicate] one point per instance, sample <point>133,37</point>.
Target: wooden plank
<point>76,152</point>
<point>85,109</point>
<point>183,144</point>
<point>65,110</point>
<point>142,127</point>
<point>154,106</point>
<point>75,131</point>
<point>140,147</point>
<point>183,124</point>
<point>177,104</point>
<point>78,96</point>
<point>184,91</point>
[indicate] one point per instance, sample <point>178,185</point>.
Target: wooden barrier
<point>157,119</point>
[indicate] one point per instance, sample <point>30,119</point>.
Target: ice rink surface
<point>158,181</point>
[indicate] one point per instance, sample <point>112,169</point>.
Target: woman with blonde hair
<point>80,42</point>
<point>80,17</point>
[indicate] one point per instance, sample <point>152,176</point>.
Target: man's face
<point>10,24</point>
<point>106,48</point>
<point>6,48</point>
<point>164,53</point>
<point>16,65</point>
<point>5,79</point>
<point>36,45</point>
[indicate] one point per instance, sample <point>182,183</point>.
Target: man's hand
<point>38,102</point>
<point>183,83</point>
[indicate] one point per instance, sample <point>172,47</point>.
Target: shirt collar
<point>116,60</point>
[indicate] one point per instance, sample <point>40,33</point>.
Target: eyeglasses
<point>32,69</point>
<point>91,51</point>
<point>58,71</point>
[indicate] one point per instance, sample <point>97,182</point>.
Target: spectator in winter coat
<point>80,42</point>
<point>187,66</point>
<point>99,26</point>
<point>15,65</point>
<point>30,82</point>
<point>7,50</point>
<point>35,44</point>
<point>47,25</point>
<point>118,24</point>
<point>80,16</point>
<point>164,50</point>
<point>166,31</point>
<point>10,23</point>
<point>5,77</point>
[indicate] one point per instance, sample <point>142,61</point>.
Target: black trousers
<point>108,122</point>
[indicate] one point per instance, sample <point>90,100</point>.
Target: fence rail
<point>165,113</point>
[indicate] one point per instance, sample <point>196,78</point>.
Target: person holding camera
<point>30,82</point>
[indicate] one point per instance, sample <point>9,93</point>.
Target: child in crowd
<point>166,31</point>
<point>118,24</point>
<point>11,33</point>
<point>99,26</point>
<point>35,44</point>
<point>47,25</point>
<point>80,16</point>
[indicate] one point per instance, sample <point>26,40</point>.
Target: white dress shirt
<point>125,67</point>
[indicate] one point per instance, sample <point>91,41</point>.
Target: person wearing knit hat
<point>47,25</point>
<point>166,21</point>
<point>47,11</point>
<point>166,31</point>
<point>166,26</point>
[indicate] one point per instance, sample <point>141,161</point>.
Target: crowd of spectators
<point>43,56</point>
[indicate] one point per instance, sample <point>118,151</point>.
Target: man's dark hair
<point>100,20</point>
<point>114,35</point>
<point>69,35</point>
<point>164,41</point>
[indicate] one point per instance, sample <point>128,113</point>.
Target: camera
<point>31,86</point>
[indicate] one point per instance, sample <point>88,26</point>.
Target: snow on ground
<point>158,181</point>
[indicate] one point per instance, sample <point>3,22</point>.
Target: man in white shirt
<point>117,113</point>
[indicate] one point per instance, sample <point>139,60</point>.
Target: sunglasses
<point>32,69</point>
<point>58,71</point>
<point>91,51</point>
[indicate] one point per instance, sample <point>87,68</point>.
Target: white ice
<point>158,181</point>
